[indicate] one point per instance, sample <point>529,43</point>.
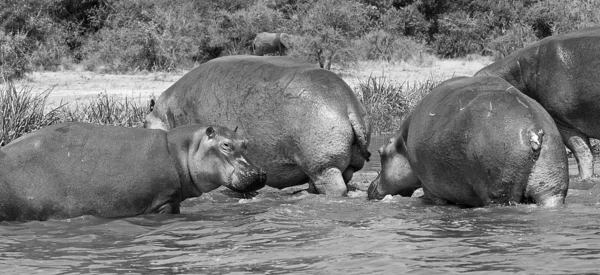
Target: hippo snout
<point>373,192</point>
<point>250,180</point>
<point>259,179</point>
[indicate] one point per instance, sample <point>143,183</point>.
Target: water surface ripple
<point>279,232</point>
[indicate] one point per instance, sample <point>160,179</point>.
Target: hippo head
<point>396,176</point>
<point>220,159</point>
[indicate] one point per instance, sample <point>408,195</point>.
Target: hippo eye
<point>226,146</point>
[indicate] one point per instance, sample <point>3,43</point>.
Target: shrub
<point>381,45</point>
<point>388,103</point>
<point>514,39</point>
<point>234,32</point>
<point>459,34</point>
<point>14,63</point>
<point>148,35</point>
<point>550,17</point>
<point>327,28</point>
<point>22,111</point>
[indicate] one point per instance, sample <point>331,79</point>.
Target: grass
<point>24,111</point>
<point>108,110</point>
<point>388,102</point>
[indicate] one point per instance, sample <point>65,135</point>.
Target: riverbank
<point>77,84</point>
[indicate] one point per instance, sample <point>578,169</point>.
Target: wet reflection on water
<point>279,232</point>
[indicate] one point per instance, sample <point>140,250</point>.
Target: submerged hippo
<point>73,169</point>
<point>476,141</point>
<point>303,123</point>
<point>562,74</point>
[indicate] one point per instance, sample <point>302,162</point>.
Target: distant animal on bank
<point>74,169</point>
<point>475,141</point>
<point>303,123</point>
<point>561,73</point>
<point>271,43</point>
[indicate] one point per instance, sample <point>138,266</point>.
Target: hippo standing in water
<point>561,73</point>
<point>73,169</point>
<point>303,123</point>
<point>476,141</point>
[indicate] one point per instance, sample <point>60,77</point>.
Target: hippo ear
<point>210,132</point>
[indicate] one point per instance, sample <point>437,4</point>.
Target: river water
<point>279,232</point>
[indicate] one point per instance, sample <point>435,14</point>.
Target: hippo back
<point>561,73</point>
<point>470,142</point>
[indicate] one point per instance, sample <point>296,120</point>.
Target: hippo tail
<point>362,134</point>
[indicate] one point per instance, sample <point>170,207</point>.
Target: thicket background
<point>135,35</point>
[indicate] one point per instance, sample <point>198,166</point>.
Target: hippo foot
<point>584,184</point>
<point>432,199</point>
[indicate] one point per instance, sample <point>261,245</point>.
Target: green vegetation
<point>388,103</point>
<point>148,35</point>
<point>24,110</point>
<point>162,35</point>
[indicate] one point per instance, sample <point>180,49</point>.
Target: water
<point>279,232</point>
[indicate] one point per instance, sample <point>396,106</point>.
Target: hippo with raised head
<point>475,141</point>
<point>74,169</point>
<point>561,73</point>
<point>303,123</point>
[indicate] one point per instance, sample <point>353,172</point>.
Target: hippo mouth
<point>247,181</point>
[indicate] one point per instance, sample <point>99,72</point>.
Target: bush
<point>148,35</point>
<point>459,35</point>
<point>513,40</point>
<point>22,111</point>
<point>383,46</point>
<point>388,103</point>
<point>327,29</point>
<point>551,17</point>
<point>14,63</point>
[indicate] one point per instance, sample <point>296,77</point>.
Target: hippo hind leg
<point>330,182</point>
<point>347,174</point>
<point>430,197</point>
<point>580,145</point>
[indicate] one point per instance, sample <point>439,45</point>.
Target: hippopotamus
<point>74,169</point>
<point>561,73</point>
<point>304,124</point>
<point>475,141</point>
<point>271,43</point>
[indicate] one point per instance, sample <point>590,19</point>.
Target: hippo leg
<point>579,144</point>
<point>330,182</point>
<point>427,195</point>
<point>347,175</point>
